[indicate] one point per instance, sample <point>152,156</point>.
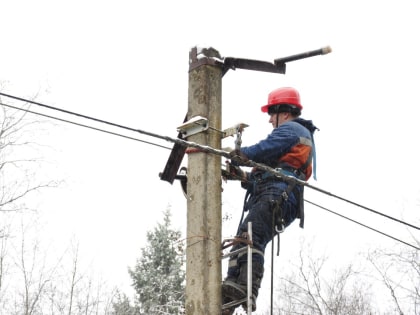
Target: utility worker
<point>272,202</point>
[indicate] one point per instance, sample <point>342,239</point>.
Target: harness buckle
<point>278,222</point>
<point>281,230</point>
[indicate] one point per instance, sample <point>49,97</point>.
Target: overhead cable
<point>368,227</point>
<point>85,126</point>
<point>331,211</point>
<point>207,149</point>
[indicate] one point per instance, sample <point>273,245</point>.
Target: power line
<point>83,116</point>
<point>132,138</point>
<point>363,207</point>
<point>208,149</point>
<point>368,227</point>
<point>85,126</point>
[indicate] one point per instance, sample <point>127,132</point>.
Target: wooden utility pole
<point>203,278</point>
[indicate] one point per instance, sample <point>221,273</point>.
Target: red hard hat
<point>284,95</point>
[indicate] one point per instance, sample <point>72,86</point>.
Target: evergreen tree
<point>159,275</point>
<point>122,305</point>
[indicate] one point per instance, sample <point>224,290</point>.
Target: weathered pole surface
<point>203,278</point>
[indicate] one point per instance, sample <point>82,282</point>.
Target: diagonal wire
<point>276,172</point>
<point>85,126</point>
<point>363,207</point>
<point>368,227</point>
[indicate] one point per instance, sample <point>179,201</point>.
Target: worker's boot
<point>236,289</point>
<point>232,294</point>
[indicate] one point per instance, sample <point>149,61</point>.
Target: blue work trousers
<point>259,209</point>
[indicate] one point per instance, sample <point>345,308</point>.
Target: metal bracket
<point>193,126</point>
<point>278,66</point>
<point>249,64</point>
<point>234,130</point>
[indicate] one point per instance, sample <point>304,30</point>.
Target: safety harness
<point>276,205</point>
<point>284,168</point>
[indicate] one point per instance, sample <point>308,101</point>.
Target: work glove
<point>238,156</point>
<point>233,172</point>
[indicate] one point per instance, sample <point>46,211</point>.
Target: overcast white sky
<point>127,62</point>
